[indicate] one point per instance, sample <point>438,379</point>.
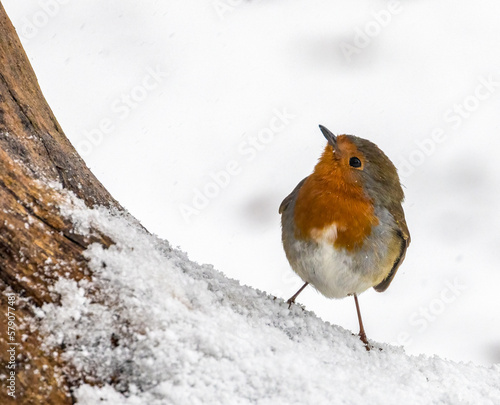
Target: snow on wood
<point>160,329</point>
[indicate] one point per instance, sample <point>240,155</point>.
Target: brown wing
<point>405,238</point>
<point>284,204</point>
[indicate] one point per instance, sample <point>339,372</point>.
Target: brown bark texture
<point>37,244</point>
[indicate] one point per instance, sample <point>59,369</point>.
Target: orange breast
<point>329,198</point>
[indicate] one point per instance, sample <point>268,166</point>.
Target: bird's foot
<point>367,344</point>
<point>362,337</point>
<point>290,302</point>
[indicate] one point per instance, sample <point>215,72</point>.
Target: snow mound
<point>160,329</point>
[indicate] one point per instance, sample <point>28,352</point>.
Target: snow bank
<point>161,329</point>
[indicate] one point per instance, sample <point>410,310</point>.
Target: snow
<point>218,84</point>
<point>166,330</point>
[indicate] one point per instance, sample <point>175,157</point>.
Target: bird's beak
<point>332,139</point>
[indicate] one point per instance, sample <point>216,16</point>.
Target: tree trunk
<point>37,245</point>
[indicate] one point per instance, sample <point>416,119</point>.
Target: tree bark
<point>37,244</point>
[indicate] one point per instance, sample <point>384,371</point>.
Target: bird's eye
<point>354,162</point>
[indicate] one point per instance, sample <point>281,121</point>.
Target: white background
<point>224,71</point>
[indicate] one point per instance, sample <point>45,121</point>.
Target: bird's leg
<point>291,300</point>
<point>362,334</point>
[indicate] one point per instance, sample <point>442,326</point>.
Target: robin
<point>343,227</point>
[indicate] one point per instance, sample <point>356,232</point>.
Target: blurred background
<point>200,117</point>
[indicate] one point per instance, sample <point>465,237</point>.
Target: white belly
<point>337,273</point>
<point>329,270</point>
